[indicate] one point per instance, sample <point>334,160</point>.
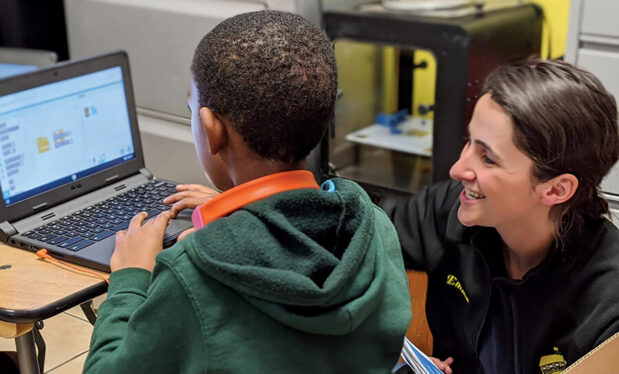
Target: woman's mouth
<point>472,195</point>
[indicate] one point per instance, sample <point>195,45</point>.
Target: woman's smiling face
<point>496,175</point>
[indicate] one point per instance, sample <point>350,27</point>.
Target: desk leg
<point>40,343</point>
<point>26,354</point>
<point>89,312</point>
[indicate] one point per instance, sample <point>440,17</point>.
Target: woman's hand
<point>189,196</point>
<point>139,245</point>
<point>445,366</point>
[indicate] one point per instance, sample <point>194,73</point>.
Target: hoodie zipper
<point>512,300</point>
<point>486,307</point>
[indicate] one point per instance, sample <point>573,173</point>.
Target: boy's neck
<point>244,165</point>
<point>251,168</point>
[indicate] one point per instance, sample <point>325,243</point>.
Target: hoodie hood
<point>310,259</point>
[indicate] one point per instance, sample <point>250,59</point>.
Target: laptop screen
<point>60,132</point>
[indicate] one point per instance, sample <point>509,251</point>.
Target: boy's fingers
<point>182,195</point>
<point>194,187</point>
<point>137,220</point>
<point>163,219</point>
<point>159,222</point>
<point>174,198</point>
<point>190,202</point>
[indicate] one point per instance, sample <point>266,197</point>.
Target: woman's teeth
<point>472,195</point>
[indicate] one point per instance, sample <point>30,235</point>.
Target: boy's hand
<point>139,245</point>
<point>185,233</point>
<point>445,366</point>
<point>189,196</point>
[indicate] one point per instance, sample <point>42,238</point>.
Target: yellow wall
<point>425,82</point>
<point>557,14</point>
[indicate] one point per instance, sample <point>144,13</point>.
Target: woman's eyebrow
<point>483,144</point>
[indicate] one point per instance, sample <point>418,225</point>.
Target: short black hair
<point>273,75</point>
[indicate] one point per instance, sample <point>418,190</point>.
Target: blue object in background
<point>7,70</point>
<point>392,120</point>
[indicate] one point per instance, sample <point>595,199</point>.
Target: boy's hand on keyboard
<point>138,246</point>
<point>189,196</point>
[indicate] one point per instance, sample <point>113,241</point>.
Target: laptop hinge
<point>146,173</point>
<point>6,231</point>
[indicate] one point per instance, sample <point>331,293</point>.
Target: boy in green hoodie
<point>299,279</point>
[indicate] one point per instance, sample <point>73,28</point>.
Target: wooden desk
<point>31,290</point>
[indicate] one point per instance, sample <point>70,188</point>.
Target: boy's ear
<point>559,189</point>
<point>215,130</point>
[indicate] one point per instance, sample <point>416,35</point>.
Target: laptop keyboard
<point>104,219</point>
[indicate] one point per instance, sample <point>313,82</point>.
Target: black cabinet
<point>466,49</point>
<point>34,24</point>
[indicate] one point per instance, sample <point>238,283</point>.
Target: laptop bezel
<point>79,187</point>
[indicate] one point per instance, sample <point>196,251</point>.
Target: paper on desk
<point>415,138</point>
<point>417,360</point>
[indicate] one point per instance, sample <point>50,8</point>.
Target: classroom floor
<point>67,338</point>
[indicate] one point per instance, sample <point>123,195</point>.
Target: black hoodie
<point>559,311</point>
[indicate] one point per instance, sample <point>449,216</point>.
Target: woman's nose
<point>461,169</point>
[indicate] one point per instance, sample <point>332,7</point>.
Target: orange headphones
<point>252,191</point>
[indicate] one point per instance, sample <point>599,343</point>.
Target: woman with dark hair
<point>523,262</point>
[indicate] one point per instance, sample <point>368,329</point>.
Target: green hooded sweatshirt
<point>305,281</point>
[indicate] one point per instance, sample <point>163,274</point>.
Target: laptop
<point>72,170</point>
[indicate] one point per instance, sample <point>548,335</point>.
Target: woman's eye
<point>487,160</point>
